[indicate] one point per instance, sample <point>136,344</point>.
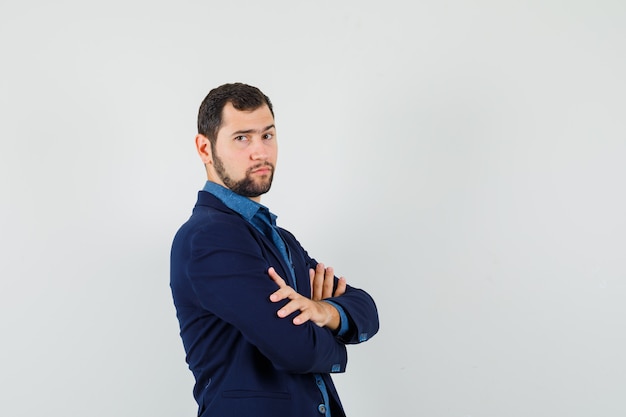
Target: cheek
<point>273,152</point>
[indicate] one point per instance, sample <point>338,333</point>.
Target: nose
<point>259,151</point>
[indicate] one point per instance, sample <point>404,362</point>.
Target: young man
<point>262,323</point>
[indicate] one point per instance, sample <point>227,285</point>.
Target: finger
<point>312,279</point>
<point>276,278</point>
<point>329,281</point>
<point>318,282</point>
<point>289,308</point>
<point>341,287</point>
<point>302,318</point>
<point>282,294</point>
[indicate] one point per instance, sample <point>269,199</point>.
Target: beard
<point>247,186</point>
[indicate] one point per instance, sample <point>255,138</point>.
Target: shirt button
<point>321,408</point>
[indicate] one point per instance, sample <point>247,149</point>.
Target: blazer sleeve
<point>227,269</point>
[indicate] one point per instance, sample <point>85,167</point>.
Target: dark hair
<point>241,96</point>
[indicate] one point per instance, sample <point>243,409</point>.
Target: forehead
<point>234,120</point>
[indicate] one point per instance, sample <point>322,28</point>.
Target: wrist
<point>333,319</point>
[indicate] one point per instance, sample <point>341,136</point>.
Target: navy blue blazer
<point>246,360</point>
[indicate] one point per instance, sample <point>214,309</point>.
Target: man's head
<point>237,139</point>
<point>241,96</point>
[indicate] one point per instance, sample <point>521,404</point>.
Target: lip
<point>262,170</point>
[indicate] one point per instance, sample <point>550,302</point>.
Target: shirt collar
<point>238,203</point>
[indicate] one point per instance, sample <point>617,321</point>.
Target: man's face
<point>245,152</point>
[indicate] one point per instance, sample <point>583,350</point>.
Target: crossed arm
<point>315,309</point>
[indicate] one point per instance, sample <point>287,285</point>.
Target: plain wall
<point>463,161</point>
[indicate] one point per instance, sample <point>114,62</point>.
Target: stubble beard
<point>247,186</point>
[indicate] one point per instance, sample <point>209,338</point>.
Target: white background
<point>463,161</point>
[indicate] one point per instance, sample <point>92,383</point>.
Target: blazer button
<point>321,408</point>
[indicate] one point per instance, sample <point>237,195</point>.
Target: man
<point>262,323</point>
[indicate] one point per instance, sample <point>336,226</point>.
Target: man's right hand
<point>322,282</point>
<point>321,313</point>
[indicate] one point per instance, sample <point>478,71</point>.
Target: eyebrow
<point>239,132</point>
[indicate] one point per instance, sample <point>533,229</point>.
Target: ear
<point>203,146</point>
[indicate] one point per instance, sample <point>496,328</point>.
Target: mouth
<point>262,170</point>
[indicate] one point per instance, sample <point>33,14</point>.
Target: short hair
<point>241,96</point>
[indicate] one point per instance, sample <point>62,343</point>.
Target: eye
<point>241,138</point>
<point>268,136</point>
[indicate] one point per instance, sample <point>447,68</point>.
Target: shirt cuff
<point>343,317</point>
